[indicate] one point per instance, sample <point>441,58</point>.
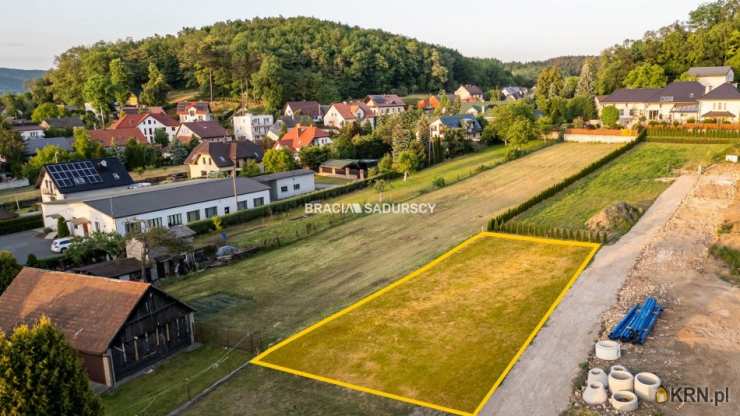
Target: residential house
<point>282,124</point>
<point>148,123</point>
<point>434,102</point>
<point>60,181</point>
<point>122,269</point>
<point>117,327</point>
<point>347,168</point>
<point>513,93</point>
<point>710,96</point>
<point>385,104</point>
<point>204,131</point>
<point>32,146</point>
<point>288,184</point>
<point>27,130</point>
<point>301,136</point>
<point>209,158</point>
<point>62,123</point>
<point>252,127</point>
<point>467,123</point>
<point>296,109</point>
<point>118,137</point>
<point>474,110</point>
<point>469,92</point>
<point>191,111</point>
<point>341,114</point>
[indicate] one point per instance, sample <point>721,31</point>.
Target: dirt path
<point>540,383</point>
<point>696,342</point>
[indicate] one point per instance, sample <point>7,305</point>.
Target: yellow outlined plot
<point>374,321</point>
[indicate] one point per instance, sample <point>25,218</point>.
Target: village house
<point>385,104</point>
<point>190,111</point>
<point>27,130</point>
<point>32,146</point>
<point>219,158</point>
<point>513,93</point>
<point>341,114</point>
<point>252,127</point>
<point>469,93</point>
<point>288,184</point>
<point>118,137</point>
<point>347,168</point>
<point>117,327</point>
<point>204,131</point>
<point>66,123</point>
<point>301,136</point>
<point>296,109</point>
<point>433,102</point>
<point>711,96</point>
<point>148,123</point>
<point>469,125</point>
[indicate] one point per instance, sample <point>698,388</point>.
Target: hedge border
<point>498,223</point>
<point>240,217</point>
<point>693,133</point>
<point>22,223</point>
<point>691,140</point>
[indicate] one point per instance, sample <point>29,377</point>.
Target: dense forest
<point>271,59</point>
<point>526,73</point>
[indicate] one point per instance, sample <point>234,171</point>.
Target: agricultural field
<point>443,336</point>
<point>281,291</point>
<point>637,177</point>
<point>19,194</point>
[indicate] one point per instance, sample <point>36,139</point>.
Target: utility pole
<point>233,183</point>
<point>210,81</point>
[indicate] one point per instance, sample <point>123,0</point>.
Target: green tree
<point>379,185</point>
<point>342,148</point>
<point>44,156</point>
<point>385,164</point>
<point>610,116</point>
<point>85,147</point>
<point>97,91</point>
<point>504,117</point>
<point>522,131</point>
<point>62,228</point>
<point>11,148</point>
<point>549,85</point>
<point>178,152</point>
<point>60,385</point>
<point>267,83</point>
<point>406,162</point>
<point>154,91</point>
<point>646,76</point>
<point>139,155</point>
<point>98,246</point>
<point>570,85</point>
<point>119,79</point>
<point>587,80</point>
<point>313,156</point>
<point>9,267</point>
<point>160,137</point>
<point>250,168</point>
<point>278,161</point>
<point>45,111</point>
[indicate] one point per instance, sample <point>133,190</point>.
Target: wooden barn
<point>118,327</point>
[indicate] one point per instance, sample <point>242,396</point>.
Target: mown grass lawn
<point>168,383</point>
<point>444,336</point>
<point>637,177</point>
<point>332,180</point>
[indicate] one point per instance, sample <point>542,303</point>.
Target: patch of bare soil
<point>696,341</point>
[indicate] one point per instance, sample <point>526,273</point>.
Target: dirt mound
<point>615,218</point>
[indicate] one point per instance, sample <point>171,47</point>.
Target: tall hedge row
<point>22,223</point>
<point>522,228</point>
<point>674,132</point>
<point>243,216</point>
<point>498,223</point>
<point>682,140</point>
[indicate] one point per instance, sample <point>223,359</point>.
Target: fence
<point>251,342</point>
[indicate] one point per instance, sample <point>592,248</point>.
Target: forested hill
<point>275,59</point>
<point>527,72</point>
<point>710,37</point>
<point>13,80</point>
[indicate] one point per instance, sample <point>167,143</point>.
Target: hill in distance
<point>13,80</point>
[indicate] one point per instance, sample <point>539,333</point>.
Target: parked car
<point>60,245</point>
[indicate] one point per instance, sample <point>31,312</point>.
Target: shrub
<point>62,228</point>
<point>24,223</point>
<point>514,153</point>
<point>32,261</point>
<point>439,182</point>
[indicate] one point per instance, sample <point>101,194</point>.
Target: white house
<point>28,130</point>
<point>466,123</point>
<point>385,104</point>
<point>712,76</point>
<point>722,103</point>
<point>79,179</point>
<point>298,109</point>
<point>341,114</point>
<point>204,131</point>
<point>252,127</point>
<point>287,184</point>
<point>148,123</point>
<point>190,111</point>
<point>209,158</point>
<point>469,93</point>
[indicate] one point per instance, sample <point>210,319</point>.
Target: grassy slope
<point>465,302</point>
<point>631,178</point>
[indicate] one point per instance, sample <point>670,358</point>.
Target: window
<point>242,205</point>
<point>133,227</point>
<point>174,219</point>
<point>97,226</point>
<point>283,189</point>
<point>193,216</point>
<point>154,223</point>
<point>296,186</point>
<point>258,202</point>
<point>227,210</point>
<point>211,212</point>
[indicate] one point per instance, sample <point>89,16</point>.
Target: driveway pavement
<point>24,243</point>
<point>541,382</point>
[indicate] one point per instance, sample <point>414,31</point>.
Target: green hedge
<point>690,140</point>
<point>24,223</point>
<point>498,223</point>
<point>693,133</point>
<point>240,217</point>
<point>522,228</point>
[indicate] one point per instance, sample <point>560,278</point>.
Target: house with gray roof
<point>467,123</point>
<point>288,184</point>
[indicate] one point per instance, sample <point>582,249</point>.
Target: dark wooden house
<point>118,327</point>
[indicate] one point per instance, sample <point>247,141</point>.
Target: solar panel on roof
<point>70,174</point>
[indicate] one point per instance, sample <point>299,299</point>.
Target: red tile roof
<point>206,129</point>
<point>88,310</point>
<point>118,137</point>
<point>201,107</point>
<point>133,120</point>
<point>300,136</point>
<point>347,110</point>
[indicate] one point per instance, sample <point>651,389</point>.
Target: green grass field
<point>636,178</point>
<point>445,335</point>
<point>169,382</point>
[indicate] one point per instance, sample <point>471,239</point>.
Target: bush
<point>438,182</point>
<point>62,228</point>
<point>24,223</point>
<point>514,153</point>
<point>32,261</point>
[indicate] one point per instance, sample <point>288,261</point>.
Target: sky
<point>33,32</point>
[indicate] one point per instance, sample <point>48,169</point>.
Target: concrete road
<point>541,382</point>
<point>24,243</point>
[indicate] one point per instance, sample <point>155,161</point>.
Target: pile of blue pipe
<point>637,323</point>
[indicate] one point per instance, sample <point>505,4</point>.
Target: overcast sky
<point>32,32</point>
